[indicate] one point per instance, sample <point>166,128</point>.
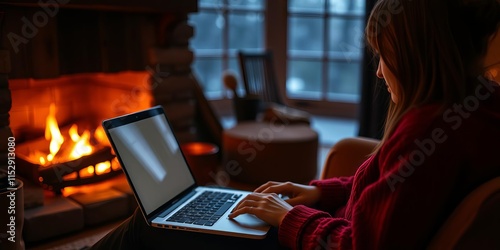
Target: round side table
<point>257,152</point>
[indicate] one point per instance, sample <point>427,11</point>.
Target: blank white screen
<point>153,160</point>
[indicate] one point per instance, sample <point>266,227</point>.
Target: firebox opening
<point>57,124</point>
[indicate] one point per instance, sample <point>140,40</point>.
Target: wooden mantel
<point>49,38</point>
<point>159,6</point>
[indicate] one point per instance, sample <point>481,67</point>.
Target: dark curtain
<point>374,95</point>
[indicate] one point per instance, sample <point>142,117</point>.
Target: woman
<point>442,114</point>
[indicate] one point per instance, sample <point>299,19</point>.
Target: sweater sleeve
<point>334,192</point>
<point>307,228</point>
<point>397,202</point>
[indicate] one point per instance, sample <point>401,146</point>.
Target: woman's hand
<point>298,194</point>
<point>267,207</point>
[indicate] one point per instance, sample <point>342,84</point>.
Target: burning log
<point>55,177</point>
<point>71,160</point>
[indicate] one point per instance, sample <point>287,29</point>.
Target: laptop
<point>163,184</point>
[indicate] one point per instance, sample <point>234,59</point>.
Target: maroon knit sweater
<point>401,195</point>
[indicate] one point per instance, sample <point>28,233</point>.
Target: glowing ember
<point>103,167</point>
<point>87,172</point>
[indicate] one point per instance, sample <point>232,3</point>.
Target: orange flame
<point>53,133</point>
<point>82,146</point>
<point>100,136</point>
<point>72,149</point>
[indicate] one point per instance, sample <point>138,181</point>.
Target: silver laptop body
<point>163,184</point>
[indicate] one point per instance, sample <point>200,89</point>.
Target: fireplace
<point>78,62</point>
<point>64,144</point>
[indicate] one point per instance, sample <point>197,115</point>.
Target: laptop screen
<point>153,160</point>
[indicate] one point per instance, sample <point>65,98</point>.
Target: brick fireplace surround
<point>93,59</point>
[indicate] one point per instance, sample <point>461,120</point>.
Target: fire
<point>82,145</point>
<point>53,133</point>
<point>71,146</point>
<point>103,167</point>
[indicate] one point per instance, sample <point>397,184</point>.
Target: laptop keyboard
<point>205,209</point>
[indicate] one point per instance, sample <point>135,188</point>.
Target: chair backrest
<point>259,77</point>
<point>475,223</point>
<point>346,156</point>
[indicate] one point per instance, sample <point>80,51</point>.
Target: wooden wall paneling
<point>79,41</point>
<point>134,46</point>
<point>114,43</point>
<point>16,41</point>
<point>44,47</point>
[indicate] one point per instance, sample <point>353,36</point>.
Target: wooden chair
<point>259,79</point>
<point>474,224</point>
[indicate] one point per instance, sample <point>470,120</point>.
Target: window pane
<point>208,30</point>
<point>304,79</point>
<point>209,3</point>
<point>346,6</point>
<point>251,4</point>
<point>346,35</point>
<point>306,5</point>
<point>246,30</point>
<point>344,80</point>
<point>305,33</point>
<point>208,73</point>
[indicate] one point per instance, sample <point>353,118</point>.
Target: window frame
<point>276,39</point>
<point>225,53</point>
<point>325,106</point>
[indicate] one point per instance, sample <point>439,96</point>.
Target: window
<point>325,49</point>
<point>317,45</point>
<point>221,28</point>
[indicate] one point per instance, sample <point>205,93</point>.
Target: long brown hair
<point>434,48</point>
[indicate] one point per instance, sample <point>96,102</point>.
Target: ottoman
<point>257,152</point>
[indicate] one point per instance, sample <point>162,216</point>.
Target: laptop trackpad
<point>248,221</point>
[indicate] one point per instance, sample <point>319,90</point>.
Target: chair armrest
<point>346,156</point>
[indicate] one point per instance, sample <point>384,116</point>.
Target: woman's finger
<point>265,186</point>
<point>245,203</point>
<point>285,188</point>
<point>243,210</point>
<point>249,197</point>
